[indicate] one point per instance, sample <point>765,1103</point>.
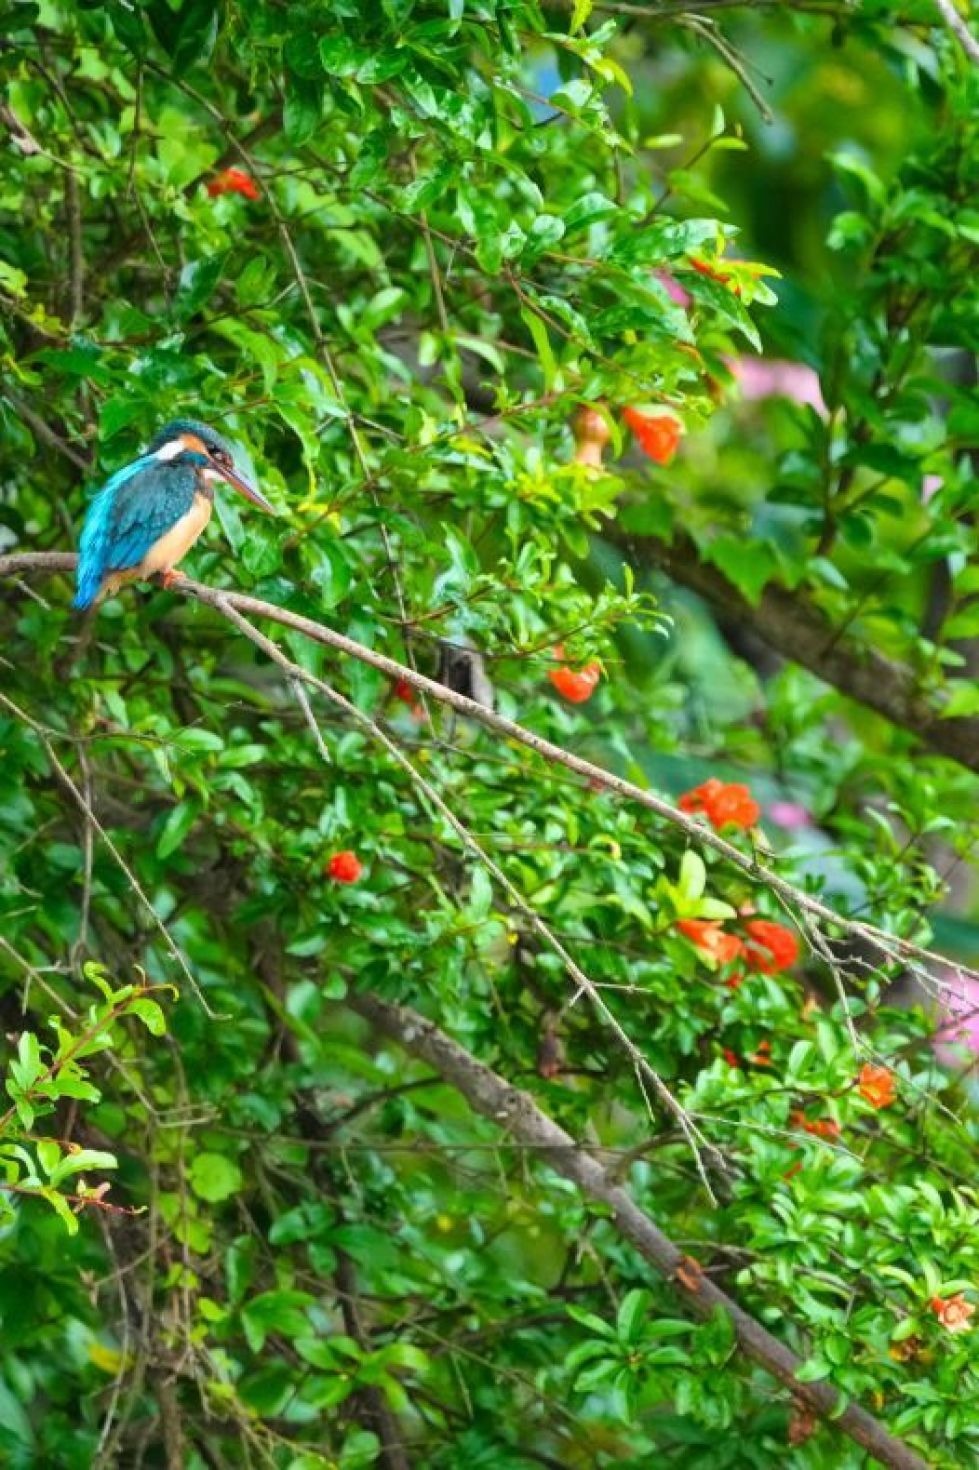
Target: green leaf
<point>198,281</point>
<point>963,700</point>
<point>302,109</point>
<point>593,1323</point>
<point>692,878</point>
<point>80,1162</point>
<point>178,824</point>
<point>150,1014</point>
<point>12,279</point>
<point>214,1177</point>
<point>186,31</point>
<point>632,1314</point>
<point>579,15</point>
<point>281,1312</point>
<point>542,342</point>
<point>750,565</point>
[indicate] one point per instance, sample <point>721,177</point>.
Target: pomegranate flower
<point>826,1128</point>
<point>657,432</point>
<point>953,1312</point>
<point>770,947</point>
<point>575,685</point>
<point>876,1085</point>
<point>723,803</point>
<point>708,936</point>
<point>233,181</point>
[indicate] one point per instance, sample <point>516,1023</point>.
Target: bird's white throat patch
<point>170,450</point>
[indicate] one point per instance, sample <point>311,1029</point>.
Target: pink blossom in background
<point>791,815</point>
<point>673,288</point>
<point>760,377</point>
<point>958,1035</point>
<point>930,486</point>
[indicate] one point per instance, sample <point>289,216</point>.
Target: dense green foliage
<point>470,220</point>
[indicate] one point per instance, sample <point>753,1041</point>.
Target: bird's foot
<point>169,577</point>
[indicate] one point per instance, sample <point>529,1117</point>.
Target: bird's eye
<point>221,457</point>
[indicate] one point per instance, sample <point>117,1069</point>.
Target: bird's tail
<point>87,590</point>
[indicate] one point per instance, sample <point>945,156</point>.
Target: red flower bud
<point>345,867</point>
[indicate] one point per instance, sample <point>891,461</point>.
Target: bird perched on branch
<point>150,513</point>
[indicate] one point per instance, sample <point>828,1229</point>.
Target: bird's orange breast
<point>174,544</point>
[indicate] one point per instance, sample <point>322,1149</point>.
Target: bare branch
<point>644,1072</point>
<point>518,1114</point>
<point>889,947</point>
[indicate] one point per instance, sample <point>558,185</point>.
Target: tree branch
<point>517,1113</point>
<point>799,630</point>
<point>42,432</point>
<point>890,947</point>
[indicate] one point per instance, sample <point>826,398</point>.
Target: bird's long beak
<point>240,483</point>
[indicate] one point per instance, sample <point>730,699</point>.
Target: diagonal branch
<point>517,1113</point>
<point>645,1073</point>
<point>890,948</point>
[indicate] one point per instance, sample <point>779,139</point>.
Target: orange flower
<point>876,1085</point>
<point>658,433</point>
<point>953,1312</point>
<point>233,181</point>
<point>770,947</point>
<point>576,685</point>
<point>710,939</point>
<point>723,803</point>
<point>818,1127</point>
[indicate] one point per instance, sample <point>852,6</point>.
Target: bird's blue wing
<point>94,543</point>
<point>131,512</point>
<point>145,508</point>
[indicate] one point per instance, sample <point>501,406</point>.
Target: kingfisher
<point>150,513</point>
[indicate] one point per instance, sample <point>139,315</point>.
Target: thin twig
<point>76,252</point>
<point>644,1072</point>
<point>41,431</point>
<point>67,781</point>
<point>892,948</point>
<point>958,27</point>
<point>708,30</point>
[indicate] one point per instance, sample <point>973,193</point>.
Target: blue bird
<point>150,513</point>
